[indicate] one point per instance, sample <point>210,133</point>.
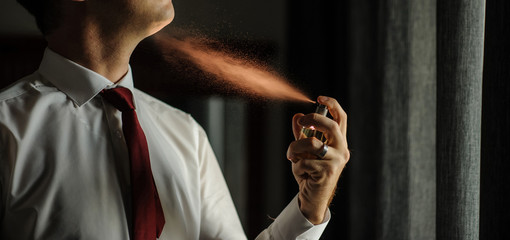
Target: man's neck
<point>107,55</point>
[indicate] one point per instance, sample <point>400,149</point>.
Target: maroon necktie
<point>148,218</point>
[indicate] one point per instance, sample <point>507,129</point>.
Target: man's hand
<point>317,178</point>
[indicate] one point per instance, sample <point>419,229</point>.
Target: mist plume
<point>229,69</point>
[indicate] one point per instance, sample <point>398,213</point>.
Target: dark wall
<point>332,49</point>
<point>495,164</point>
<point>318,61</point>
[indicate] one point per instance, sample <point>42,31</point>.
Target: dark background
<point>296,39</point>
<point>366,54</point>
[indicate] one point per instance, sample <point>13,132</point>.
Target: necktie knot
<point>120,97</point>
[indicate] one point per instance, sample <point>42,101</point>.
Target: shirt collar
<point>80,84</point>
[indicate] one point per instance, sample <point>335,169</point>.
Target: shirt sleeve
<point>291,224</point>
<point>219,219</point>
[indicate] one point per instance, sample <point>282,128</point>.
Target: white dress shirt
<point>64,165</point>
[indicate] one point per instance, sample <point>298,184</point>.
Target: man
<point>68,146</point>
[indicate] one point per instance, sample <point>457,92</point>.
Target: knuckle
<point>331,100</point>
<point>292,148</point>
<point>334,127</point>
<point>346,155</point>
<point>343,114</point>
<point>289,154</point>
<point>292,145</point>
<point>316,144</point>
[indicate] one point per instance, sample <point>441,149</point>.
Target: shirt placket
<point>121,155</point>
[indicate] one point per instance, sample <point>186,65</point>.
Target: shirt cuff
<point>292,224</point>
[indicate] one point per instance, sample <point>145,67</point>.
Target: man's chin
<point>157,26</point>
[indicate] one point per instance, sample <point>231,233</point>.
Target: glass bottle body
<point>311,131</point>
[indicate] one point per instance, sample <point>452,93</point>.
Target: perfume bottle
<point>311,131</point>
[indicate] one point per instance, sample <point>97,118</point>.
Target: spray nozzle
<point>321,109</point>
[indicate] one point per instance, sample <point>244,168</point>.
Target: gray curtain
<point>428,86</point>
<point>393,120</point>
<point>460,33</point>
<point>415,84</point>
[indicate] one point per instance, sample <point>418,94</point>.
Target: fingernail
<point>323,98</point>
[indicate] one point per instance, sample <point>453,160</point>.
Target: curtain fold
<point>430,143</point>
<point>460,30</point>
<point>392,121</point>
<point>415,125</point>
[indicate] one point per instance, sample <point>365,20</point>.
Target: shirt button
<point>118,133</point>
